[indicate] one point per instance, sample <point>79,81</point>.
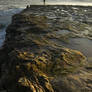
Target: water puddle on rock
<point>63,32</point>
<point>82,44</point>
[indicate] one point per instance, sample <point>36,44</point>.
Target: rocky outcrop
<point>33,61</point>
<point>77,82</point>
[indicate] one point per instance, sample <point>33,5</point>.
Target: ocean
<point>7,9</point>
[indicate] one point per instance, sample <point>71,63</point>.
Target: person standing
<point>44,2</point>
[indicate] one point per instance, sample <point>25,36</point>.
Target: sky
<point>69,2</point>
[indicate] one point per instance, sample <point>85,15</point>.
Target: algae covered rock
<point>80,81</point>
<point>73,57</point>
<point>35,23</point>
<point>26,78</point>
<point>33,61</point>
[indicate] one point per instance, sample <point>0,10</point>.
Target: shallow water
<point>7,9</point>
<point>5,19</point>
<point>82,44</point>
<point>63,32</point>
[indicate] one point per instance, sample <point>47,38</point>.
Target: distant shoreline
<point>61,5</point>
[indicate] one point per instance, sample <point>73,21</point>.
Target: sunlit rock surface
<point>32,61</point>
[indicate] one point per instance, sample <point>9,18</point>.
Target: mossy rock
<point>32,57</point>
<point>37,23</point>
<point>52,62</point>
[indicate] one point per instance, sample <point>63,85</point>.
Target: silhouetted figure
<point>44,2</point>
<point>27,6</point>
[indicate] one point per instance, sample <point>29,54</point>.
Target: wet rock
<point>3,91</point>
<point>33,63</point>
<point>78,82</point>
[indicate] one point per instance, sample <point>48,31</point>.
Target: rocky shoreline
<point>30,61</point>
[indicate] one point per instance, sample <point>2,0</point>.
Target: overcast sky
<point>90,1</point>
<point>70,0</point>
<point>75,2</point>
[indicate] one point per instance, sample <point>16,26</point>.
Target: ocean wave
<point>9,11</point>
